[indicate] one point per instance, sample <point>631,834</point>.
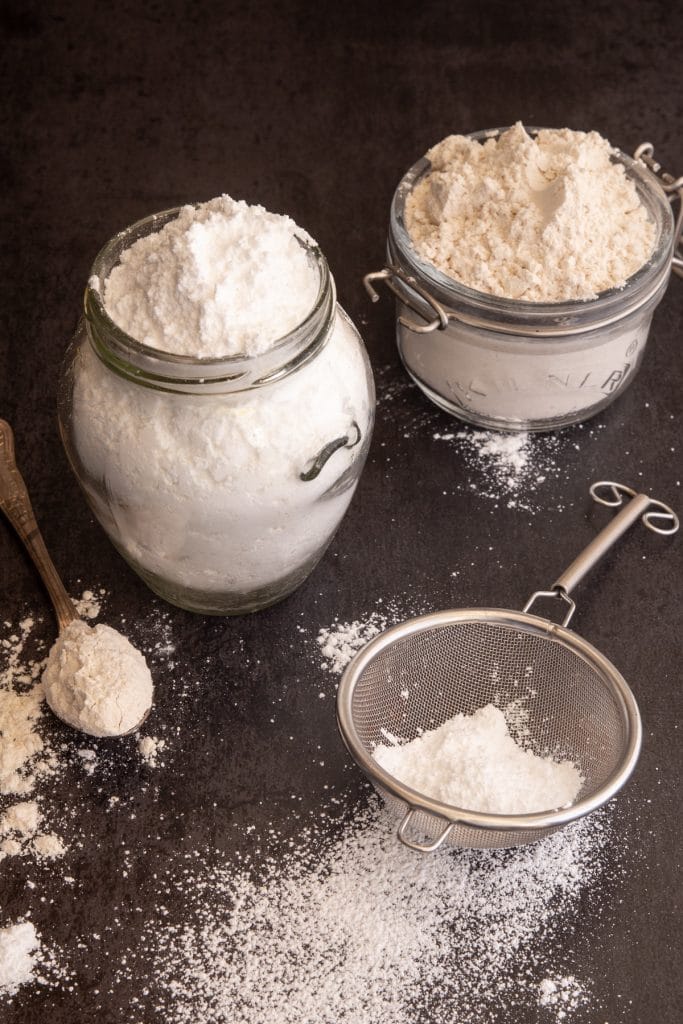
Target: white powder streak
<point>370,933</point>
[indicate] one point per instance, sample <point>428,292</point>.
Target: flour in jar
<point>549,251</point>
<point>204,491</point>
<point>546,219</point>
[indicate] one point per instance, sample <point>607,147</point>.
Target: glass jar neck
<point>515,316</point>
<point>166,371</point>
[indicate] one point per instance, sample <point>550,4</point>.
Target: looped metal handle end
<point>349,440</point>
<point>657,510</point>
<point>412,844</point>
<point>639,506</point>
<point>674,190</point>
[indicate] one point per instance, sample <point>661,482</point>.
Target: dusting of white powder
<point>96,681</point>
<point>25,757</point>
<point>19,946</point>
<point>472,761</point>
<point>334,920</point>
<point>365,932</point>
<point>545,219</point>
<point>338,643</point>
<point>150,748</point>
<point>221,279</point>
<point>561,994</point>
<point>507,468</point>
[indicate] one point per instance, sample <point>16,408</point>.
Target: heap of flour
<point>472,761</point>
<point>221,279</point>
<point>97,681</point>
<point>544,219</point>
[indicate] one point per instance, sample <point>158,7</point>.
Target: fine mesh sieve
<point>562,697</point>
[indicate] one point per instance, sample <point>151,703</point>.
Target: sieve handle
<point>657,516</point>
<point>412,844</point>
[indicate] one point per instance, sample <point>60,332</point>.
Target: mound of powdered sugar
<point>545,219</point>
<point>213,281</point>
<point>472,761</point>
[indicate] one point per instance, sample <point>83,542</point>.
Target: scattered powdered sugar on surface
<point>326,919</point>
<point>521,471</point>
<point>472,761</point>
<point>507,468</point>
<point>89,604</point>
<point>339,642</point>
<point>23,959</point>
<point>25,756</point>
<point>562,994</point>
<point>150,748</point>
<point>366,932</point>
<point>19,944</point>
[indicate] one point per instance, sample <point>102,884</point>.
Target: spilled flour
<point>338,643</point>
<point>309,912</point>
<point>507,468</point>
<point>366,932</point>
<point>19,944</point>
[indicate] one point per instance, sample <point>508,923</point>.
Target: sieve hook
<point>412,844</point>
<point>640,506</point>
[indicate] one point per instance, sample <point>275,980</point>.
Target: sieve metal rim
<point>530,624</point>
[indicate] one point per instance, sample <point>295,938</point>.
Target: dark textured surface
<point>110,112</point>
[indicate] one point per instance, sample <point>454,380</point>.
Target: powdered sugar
<point>561,994</point>
<point>339,642</point>
<point>19,945</point>
<point>24,755</point>
<point>150,748</point>
<point>507,468</point>
<point>221,279</point>
<point>323,916</point>
<point>366,932</point>
<point>471,761</point>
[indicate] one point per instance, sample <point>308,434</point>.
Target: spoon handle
<point>15,503</point>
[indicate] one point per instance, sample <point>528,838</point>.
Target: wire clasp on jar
<point>673,187</point>
<point>440,319</point>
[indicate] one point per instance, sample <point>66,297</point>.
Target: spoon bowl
<point>16,505</point>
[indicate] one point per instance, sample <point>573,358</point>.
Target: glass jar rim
<point>146,364</point>
<point>635,290</point>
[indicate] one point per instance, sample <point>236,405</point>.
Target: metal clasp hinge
<point>674,190</point>
<point>389,276</point>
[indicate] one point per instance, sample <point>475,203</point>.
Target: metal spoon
<point>16,504</point>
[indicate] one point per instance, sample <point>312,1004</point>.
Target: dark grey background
<point>110,112</point>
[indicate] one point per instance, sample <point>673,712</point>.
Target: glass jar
<point>221,482</point>
<point>508,364</point>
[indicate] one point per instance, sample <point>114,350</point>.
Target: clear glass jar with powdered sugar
<point>220,481</point>
<point>508,364</point>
